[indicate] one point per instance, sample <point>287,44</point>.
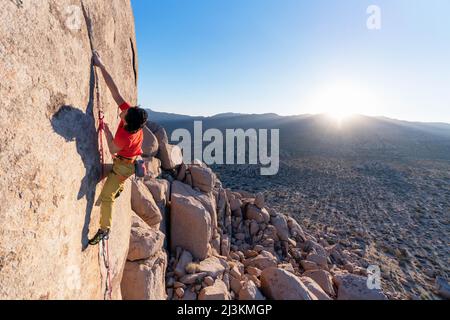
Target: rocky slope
<point>224,244</point>
<point>49,160</point>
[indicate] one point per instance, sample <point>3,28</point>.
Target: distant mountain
<point>359,136</point>
<point>168,117</point>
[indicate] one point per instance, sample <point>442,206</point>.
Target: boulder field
<point>222,244</point>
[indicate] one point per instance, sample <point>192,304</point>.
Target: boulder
<point>259,215</point>
<point>250,253</point>
<point>234,272</point>
<point>189,295</point>
<point>260,201</point>
<point>144,241</point>
<point>143,204</point>
<point>258,248</point>
<point>224,212</point>
<point>170,294</point>
<point>254,271</point>
<point>183,261</point>
<point>159,188</point>
<point>190,226</point>
<point>202,178</point>
<point>318,259</point>
<point>240,236</point>
<point>170,281</point>
<point>235,285</point>
<point>335,253</point>
<point>271,233</point>
<point>254,228</point>
<point>225,246</point>
<point>265,215</point>
<point>188,179</point>
<point>226,280</point>
<point>443,288</point>
<point>215,243</point>
<point>295,229</point>
<point>181,175</point>
<point>150,145</point>
<point>254,279</point>
<point>207,200</point>
<point>153,167</point>
<point>158,131</point>
<point>48,197</point>
<point>287,266</point>
<point>213,266</point>
<point>145,280</point>
<point>353,287</point>
<point>235,202</point>
<point>309,265</point>
<point>314,247</point>
<point>209,281</point>
<point>315,289</point>
<point>279,222</point>
<point>179,284</point>
<point>218,291</point>
<point>237,213</point>
<point>195,278</point>
<point>170,156</point>
<point>179,292</point>
<point>278,284</point>
<point>250,292</point>
<point>262,261</point>
<point>323,279</point>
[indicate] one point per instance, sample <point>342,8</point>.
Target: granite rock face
<point>49,159</point>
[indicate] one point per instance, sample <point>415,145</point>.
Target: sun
<point>341,100</point>
<point>340,115</point>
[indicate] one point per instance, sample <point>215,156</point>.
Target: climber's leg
<point>107,198</point>
<point>113,187</point>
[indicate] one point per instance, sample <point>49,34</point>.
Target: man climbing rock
<point>125,147</point>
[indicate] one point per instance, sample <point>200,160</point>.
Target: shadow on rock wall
<point>74,125</point>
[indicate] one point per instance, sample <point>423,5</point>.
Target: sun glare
<point>341,100</point>
<point>339,116</point>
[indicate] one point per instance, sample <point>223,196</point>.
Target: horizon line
<point>297,115</point>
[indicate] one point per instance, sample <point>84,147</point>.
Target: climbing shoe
<point>99,236</point>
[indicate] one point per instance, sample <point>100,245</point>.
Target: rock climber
<point>125,146</point>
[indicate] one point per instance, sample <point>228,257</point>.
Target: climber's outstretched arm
<point>108,79</point>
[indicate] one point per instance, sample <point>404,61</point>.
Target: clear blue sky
<point>203,57</point>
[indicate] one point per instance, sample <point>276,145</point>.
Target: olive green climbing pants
<point>114,185</point>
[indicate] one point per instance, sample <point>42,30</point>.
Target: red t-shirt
<point>130,143</point>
